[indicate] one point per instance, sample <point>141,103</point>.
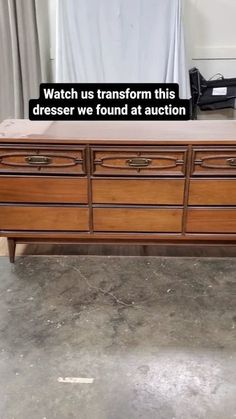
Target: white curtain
<point>24,54</point>
<point>121,41</point>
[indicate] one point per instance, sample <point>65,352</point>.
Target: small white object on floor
<point>75,380</point>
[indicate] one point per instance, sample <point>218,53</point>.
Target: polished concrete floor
<point>143,337</point>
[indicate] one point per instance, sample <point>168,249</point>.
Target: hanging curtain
<point>20,67</point>
<point>121,41</point>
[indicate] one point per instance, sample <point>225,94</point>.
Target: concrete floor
<point>157,335</point>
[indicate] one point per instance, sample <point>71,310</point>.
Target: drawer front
<point>213,162</point>
<point>68,190</point>
<point>44,218</point>
<point>212,192</point>
<point>139,161</point>
<point>42,161</point>
<point>212,220</point>
<point>137,220</point>
<point>138,191</point>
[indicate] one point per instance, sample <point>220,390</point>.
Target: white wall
<point>210,32</point>
<point>210,27</point>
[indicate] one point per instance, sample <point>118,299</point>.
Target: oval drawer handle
<point>139,162</point>
<point>38,160</point>
<point>232,162</point>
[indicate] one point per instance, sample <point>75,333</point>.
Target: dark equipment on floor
<point>211,94</point>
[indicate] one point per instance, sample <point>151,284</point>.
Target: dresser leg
<point>11,249</point>
<point>145,250</point>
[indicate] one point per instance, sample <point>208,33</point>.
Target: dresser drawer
<point>42,160</point>
<point>44,218</point>
<point>214,162</point>
<point>68,190</point>
<point>212,192</point>
<point>138,220</point>
<point>138,191</point>
<point>211,220</point>
<point>139,161</point>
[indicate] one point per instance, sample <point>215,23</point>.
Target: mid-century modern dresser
<point>118,182</point>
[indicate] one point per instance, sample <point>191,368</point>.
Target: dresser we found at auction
<point>118,182</point>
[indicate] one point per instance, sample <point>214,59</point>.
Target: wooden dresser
<point>118,182</point>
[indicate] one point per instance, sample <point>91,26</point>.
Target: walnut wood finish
<point>134,238</point>
<point>136,133</point>
<point>138,191</point>
<point>58,190</point>
<point>11,249</point>
<point>212,192</point>
<point>138,219</point>
<point>214,162</point>
<point>120,182</point>
<point>139,161</point>
<point>42,161</point>
<point>44,218</point>
<point>211,220</point>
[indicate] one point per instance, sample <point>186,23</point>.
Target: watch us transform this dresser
<point>118,182</point>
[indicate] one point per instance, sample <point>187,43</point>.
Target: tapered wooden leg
<point>11,249</point>
<point>145,250</point>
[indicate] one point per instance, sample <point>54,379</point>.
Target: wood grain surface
<point>138,219</point>
<point>138,191</point>
<point>44,190</point>
<point>44,218</point>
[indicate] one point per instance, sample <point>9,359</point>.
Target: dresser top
<point>119,132</point>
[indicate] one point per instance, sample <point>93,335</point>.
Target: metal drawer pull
<point>38,160</point>
<point>232,162</point>
<point>139,162</point>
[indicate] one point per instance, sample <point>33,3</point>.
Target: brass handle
<point>232,162</point>
<point>38,160</point>
<point>139,162</point>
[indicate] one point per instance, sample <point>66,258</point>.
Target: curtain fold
<point>20,67</point>
<point>121,41</point>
